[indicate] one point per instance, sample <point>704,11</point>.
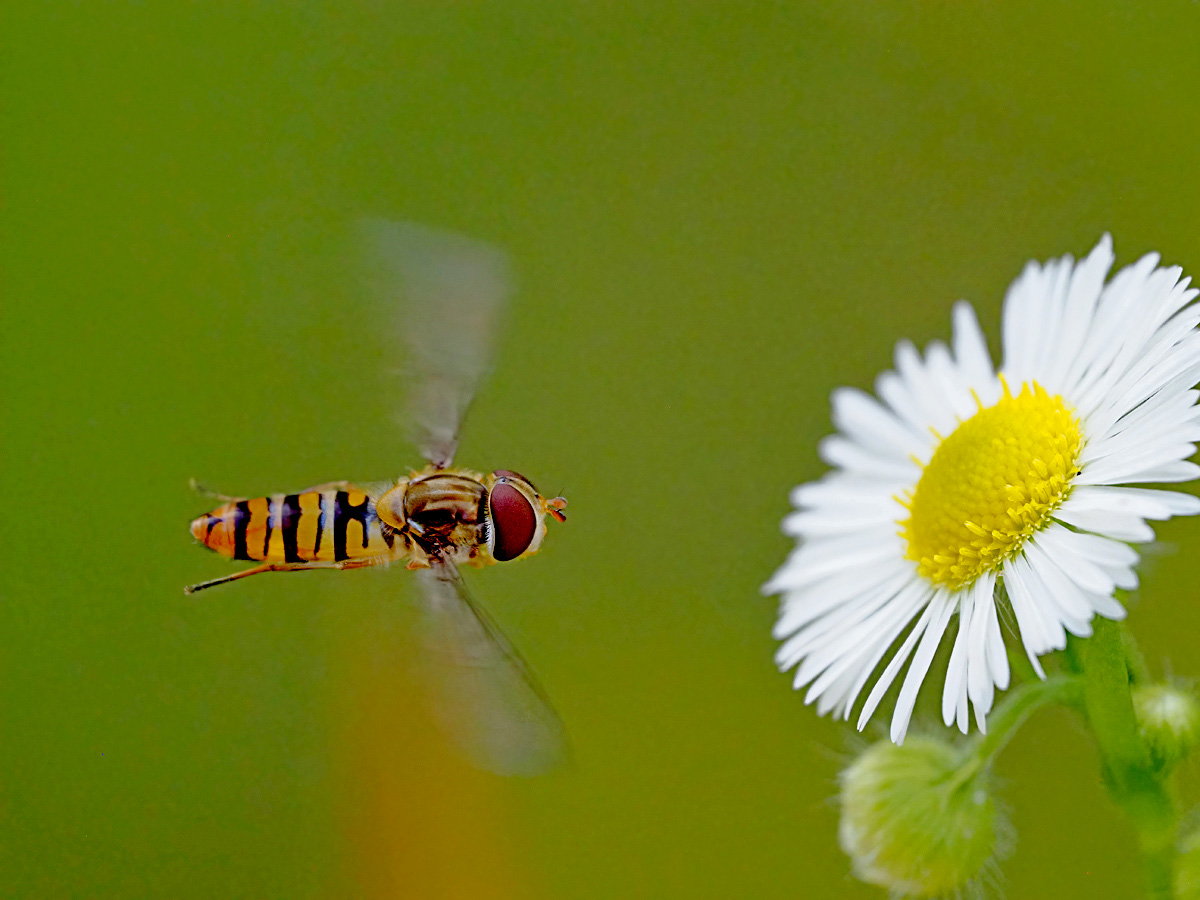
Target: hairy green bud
<point>1169,722</point>
<point>918,818</point>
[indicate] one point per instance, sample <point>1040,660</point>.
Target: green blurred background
<point>718,212</point>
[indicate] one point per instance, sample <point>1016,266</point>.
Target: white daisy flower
<point>959,477</point>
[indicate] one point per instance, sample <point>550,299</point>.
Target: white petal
<point>840,490</point>
<point>1089,576</point>
<point>802,605</point>
<point>997,656</point>
<point>1173,407</point>
<point>938,414</point>
<point>914,598</point>
<point>1122,576</point>
<point>1117,333</point>
<point>1049,310</point>
<point>1125,467</point>
<point>1162,362</point>
<point>970,347</point>
<point>897,661</point>
<point>1127,501</point>
<point>1041,630</point>
<point>1057,593</point>
<point>954,693</point>
<point>980,687</point>
<point>835,635</point>
<point>884,628</point>
<point>819,559</point>
<point>1166,473</point>
<point>1035,638</point>
<point>1168,417</point>
<point>828,521</point>
<point>867,422</point>
<point>1065,592</point>
<point>1134,301</point>
<point>944,605</point>
<point>1099,549</point>
<point>1083,295</point>
<point>1023,325</point>
<point>1094,583</point>
<point>896,393</point>
<point>954,389</point>
<point>836,450</point>
<point>831,700</point>
<point>1158,431</point>
<point>1108,606</point>
<point>1177,503</point>
<point>889,612</point>
<point>1113,525</point>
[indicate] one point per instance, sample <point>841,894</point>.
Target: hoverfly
<point>447,291</point>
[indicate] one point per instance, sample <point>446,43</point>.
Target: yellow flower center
<point>991,483</point>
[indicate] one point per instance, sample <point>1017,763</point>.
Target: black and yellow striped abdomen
<point>311,526</point>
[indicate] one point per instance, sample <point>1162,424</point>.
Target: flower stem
<point>1129,774</point>
<point>1018,705</point>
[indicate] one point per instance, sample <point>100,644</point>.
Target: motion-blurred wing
<point>445,292</point>
<point>487,698</point>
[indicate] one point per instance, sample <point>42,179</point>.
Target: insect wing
<point>445,292</point>
<point>488,700</point>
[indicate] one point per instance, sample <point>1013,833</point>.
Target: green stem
<point>1129,774</point>
<point>1018,705</point>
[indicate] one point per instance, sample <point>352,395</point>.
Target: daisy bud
<point>1169,722</point>
<point>918,818</point>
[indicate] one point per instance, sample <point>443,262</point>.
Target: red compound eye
<point>513,522</point>
<point>513,476</point>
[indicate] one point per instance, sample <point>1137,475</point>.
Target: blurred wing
<point>445,293</point>
<point>488,700</point>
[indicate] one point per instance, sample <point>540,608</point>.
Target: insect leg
<point>206,492</point>
<point>288,567</point>
<point>325,486</point>
<point>329,486</point>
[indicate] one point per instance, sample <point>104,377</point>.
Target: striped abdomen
<point>326,526</point>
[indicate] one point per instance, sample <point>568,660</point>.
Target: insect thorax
<point>441,513</point>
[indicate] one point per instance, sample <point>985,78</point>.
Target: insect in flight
<point>444,292</point>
